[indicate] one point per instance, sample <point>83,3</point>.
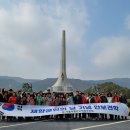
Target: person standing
<point>84,101</point>
<point>103,100</point>
<point>38,99</point>
<point>109,99</point>
<point>115,99</point>
<point>78,100</point>
<point>123,99</point>
<point>13,99</point>
<point>97,99</point>
<point>19,96</point>
<point>70,101</point>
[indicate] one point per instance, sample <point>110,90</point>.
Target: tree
<point>109,87</point>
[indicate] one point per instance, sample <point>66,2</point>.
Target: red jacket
<point>12,99</point>
<point>115,99</point>
<point>84,100</point>
<point>97,99</point>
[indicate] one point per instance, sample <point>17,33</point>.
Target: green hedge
<point>128,100</point>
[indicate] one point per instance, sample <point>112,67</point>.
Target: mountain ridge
<point>8,82</point>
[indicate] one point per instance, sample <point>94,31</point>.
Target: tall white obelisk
<point>62,84</point>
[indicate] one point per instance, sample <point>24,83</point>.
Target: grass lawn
<point>128,100</point>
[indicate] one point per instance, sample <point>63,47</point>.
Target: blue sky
<point>97,32</point>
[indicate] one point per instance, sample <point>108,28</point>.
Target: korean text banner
<point>8,109</point>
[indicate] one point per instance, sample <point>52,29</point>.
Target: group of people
<point>58,99</point>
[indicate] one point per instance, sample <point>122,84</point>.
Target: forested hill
<point>16,82</point>
<point>109,87</point>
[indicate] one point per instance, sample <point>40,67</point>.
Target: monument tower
<point>62,84</point>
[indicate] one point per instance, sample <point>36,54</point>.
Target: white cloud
<point>112,57</point>
<point>30,42</point>
<point>127,22</point>
<point>75,71</point>
<point>30,36</point>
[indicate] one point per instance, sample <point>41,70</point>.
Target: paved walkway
<point>66,125</point>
